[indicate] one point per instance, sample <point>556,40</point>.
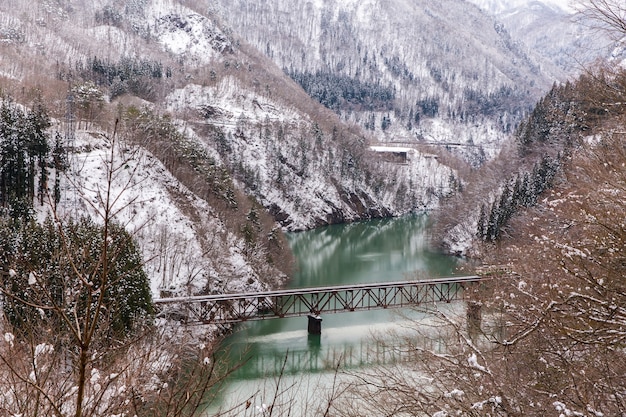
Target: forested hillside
<point>417,71</point>
<point>209,126</point>
<point>157,148</point>
<point>523,170</point>
<point>544,333</point>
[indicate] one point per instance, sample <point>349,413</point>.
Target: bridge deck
<point>232,308</point>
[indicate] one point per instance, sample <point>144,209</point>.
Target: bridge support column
<point>315,324</point>
<point>474,317</point>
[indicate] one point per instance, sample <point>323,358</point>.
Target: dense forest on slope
<point>443,72</point>
<point>523,171</point>
<point>544,333</point>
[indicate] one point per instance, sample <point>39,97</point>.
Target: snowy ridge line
<point>318,290</point>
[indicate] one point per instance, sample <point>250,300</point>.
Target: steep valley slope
<point>418,71</point>
<point>230,149</point>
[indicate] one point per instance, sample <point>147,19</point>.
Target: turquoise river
<point>282,364</point>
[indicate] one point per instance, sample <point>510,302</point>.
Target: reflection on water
<point>372,251</point>
<point>281,349</point>
<point>299,353</point>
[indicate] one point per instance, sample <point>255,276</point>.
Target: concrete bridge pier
<point>474,317</point>
<point>315,324</point>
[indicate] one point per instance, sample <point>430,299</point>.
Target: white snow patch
<point>188,34</point>
<point>43,349</point>
<point>95,376</point>
<point>9,338</point>
<point>148,205</point>
<point>455,393</point>
<point>473,362</point>
<point>564,410</point>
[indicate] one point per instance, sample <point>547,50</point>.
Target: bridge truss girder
<point>233,308</point>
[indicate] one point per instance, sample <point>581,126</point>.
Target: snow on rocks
<point>461,238</point>
<point>230,103</point>
<point>297,174</point>
<point>168,221</point>
<point>187,34</point>
<point>191,35</point>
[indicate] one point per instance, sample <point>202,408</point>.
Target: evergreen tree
<point>385,123</point>
<point>24,149</point>
<point>481,231</point>
<point>37,123</point>
<point>14,171</point>
<point>59,162</point>
<point>492,225</point>
<point>64,266</point>
<point>524,192</point>
<point>505,208</point>
<point>526,197</point>
<point>250,230</point>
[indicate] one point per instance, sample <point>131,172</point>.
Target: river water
<point>285,366</point>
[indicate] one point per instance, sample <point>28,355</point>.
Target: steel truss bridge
<point>312,302</point>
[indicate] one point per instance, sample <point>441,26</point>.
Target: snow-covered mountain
<point>499,6</point>
<point>228,146</point>
<point>554,29</point>
<point>406,71</point>
<point>216,136</point>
